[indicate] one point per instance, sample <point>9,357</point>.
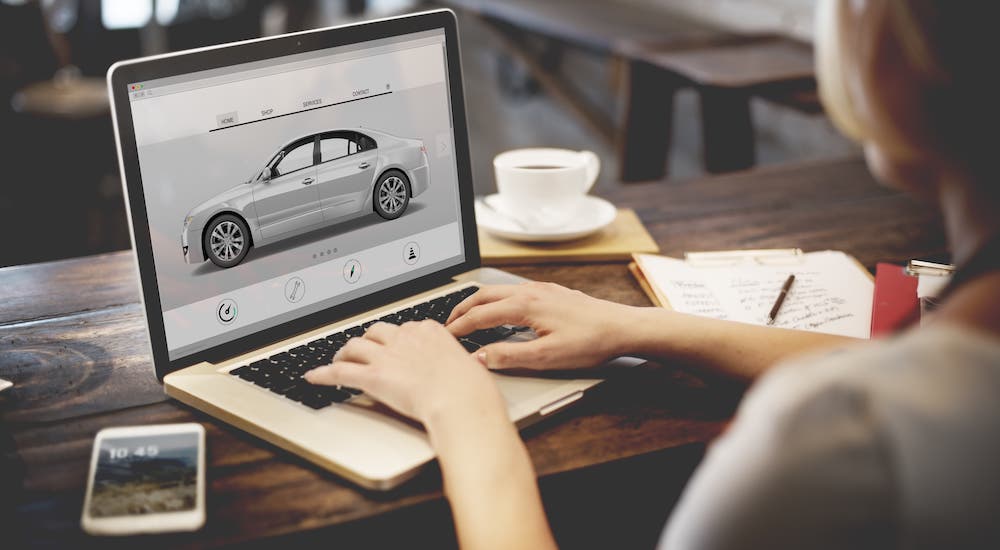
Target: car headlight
<point>187,221</point>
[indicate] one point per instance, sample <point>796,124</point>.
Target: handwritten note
<point>831,293</point>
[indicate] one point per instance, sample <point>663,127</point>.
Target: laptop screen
<point>279,188</point>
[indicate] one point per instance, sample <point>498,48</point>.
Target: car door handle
<point>363,165</point>
<point>307,181</point>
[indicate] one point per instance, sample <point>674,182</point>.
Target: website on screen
<point>280,188</point>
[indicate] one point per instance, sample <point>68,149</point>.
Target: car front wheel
<point>227,240</point>
<point>392,195</point>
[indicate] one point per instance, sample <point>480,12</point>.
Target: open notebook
<point>832,292</point>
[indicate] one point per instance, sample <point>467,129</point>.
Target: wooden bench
<point>593,26</point>
<point>664,53</point>
<point>726,75</point>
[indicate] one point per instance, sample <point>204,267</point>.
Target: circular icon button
<point>411,253</point>
<point>295,289</point>
<point>226,311</point>
<point>352,271</point>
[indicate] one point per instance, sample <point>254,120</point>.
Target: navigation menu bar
<point>281,94</point>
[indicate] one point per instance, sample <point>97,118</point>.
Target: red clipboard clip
<point>898,301</point>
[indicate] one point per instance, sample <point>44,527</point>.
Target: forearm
<point>736,350</point>
<point>489,481</point>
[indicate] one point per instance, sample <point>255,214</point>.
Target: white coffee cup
<point>544,187</point>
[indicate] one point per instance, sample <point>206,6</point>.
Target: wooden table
<point>73,342</point>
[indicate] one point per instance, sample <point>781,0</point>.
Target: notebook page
<point>830,294</point>
<point>683,286</point>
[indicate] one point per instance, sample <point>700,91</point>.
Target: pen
<point>781,299</point>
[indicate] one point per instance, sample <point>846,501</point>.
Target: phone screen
<point>140,475</point>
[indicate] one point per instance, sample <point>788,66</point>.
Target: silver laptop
<point>284,194</point>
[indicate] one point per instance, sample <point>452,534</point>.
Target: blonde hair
<point>914,75</point>
<point>830,73</point>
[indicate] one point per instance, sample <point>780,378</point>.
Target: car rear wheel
<point>227,240</point>
<point>392,195</point>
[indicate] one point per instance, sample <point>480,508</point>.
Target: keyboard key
<point>244,372</point>
<point>300,350</point>
<point>299,370</point>
<point>318,397</point>
<point>315,401</point>
<point>408,314</point>
<point>264,379</point>
<point>490,335</point>
<point>297,392</point>
<point>468,291</point>
<point>422,311</point>
<point>327,347</point>
<point>337,395</point>
<point>469,345</point>
<point>441,315</point>
<point>392,319</point>
<point>286,390</point>
<point>282,357</point>
<point>503,332</point>
<point>283,383</point>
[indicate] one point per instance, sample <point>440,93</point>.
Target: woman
<point>845,444</point>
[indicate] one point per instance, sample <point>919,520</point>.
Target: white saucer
<point>592,215</point>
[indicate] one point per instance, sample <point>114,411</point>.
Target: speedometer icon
<point>226,311</point>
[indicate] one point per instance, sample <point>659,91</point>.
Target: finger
<point>513,355</point>
<point>504,312</point>
<point>485,294</point>
<point>381,332</point>
<point>358,350</point>
<point>343,373</point>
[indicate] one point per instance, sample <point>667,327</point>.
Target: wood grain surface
<point>72,340</point>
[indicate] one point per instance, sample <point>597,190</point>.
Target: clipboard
<point>906,295</point>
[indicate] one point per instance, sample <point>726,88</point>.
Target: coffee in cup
<point>544,187</point>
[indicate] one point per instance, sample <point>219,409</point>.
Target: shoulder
<point>813,457</point>
<point>945,368</point>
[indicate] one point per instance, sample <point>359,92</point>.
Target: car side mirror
<point>267,175</point>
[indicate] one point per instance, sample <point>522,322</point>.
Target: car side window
<point>333,148</point>
<point>365,143</point>
<point>296,159</point>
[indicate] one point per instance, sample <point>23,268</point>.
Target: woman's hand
<point>418,369</point>
<point>574,330</point>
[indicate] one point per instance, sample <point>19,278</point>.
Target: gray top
<point>887,445</point>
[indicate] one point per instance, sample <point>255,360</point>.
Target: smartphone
<point>146,479</point>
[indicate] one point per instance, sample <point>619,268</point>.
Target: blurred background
<point>718,84</point>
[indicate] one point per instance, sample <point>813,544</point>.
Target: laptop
<point>283,195</point>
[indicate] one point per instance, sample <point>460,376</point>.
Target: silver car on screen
<point>312,182</point>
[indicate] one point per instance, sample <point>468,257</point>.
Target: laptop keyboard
<point>282,373</point>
